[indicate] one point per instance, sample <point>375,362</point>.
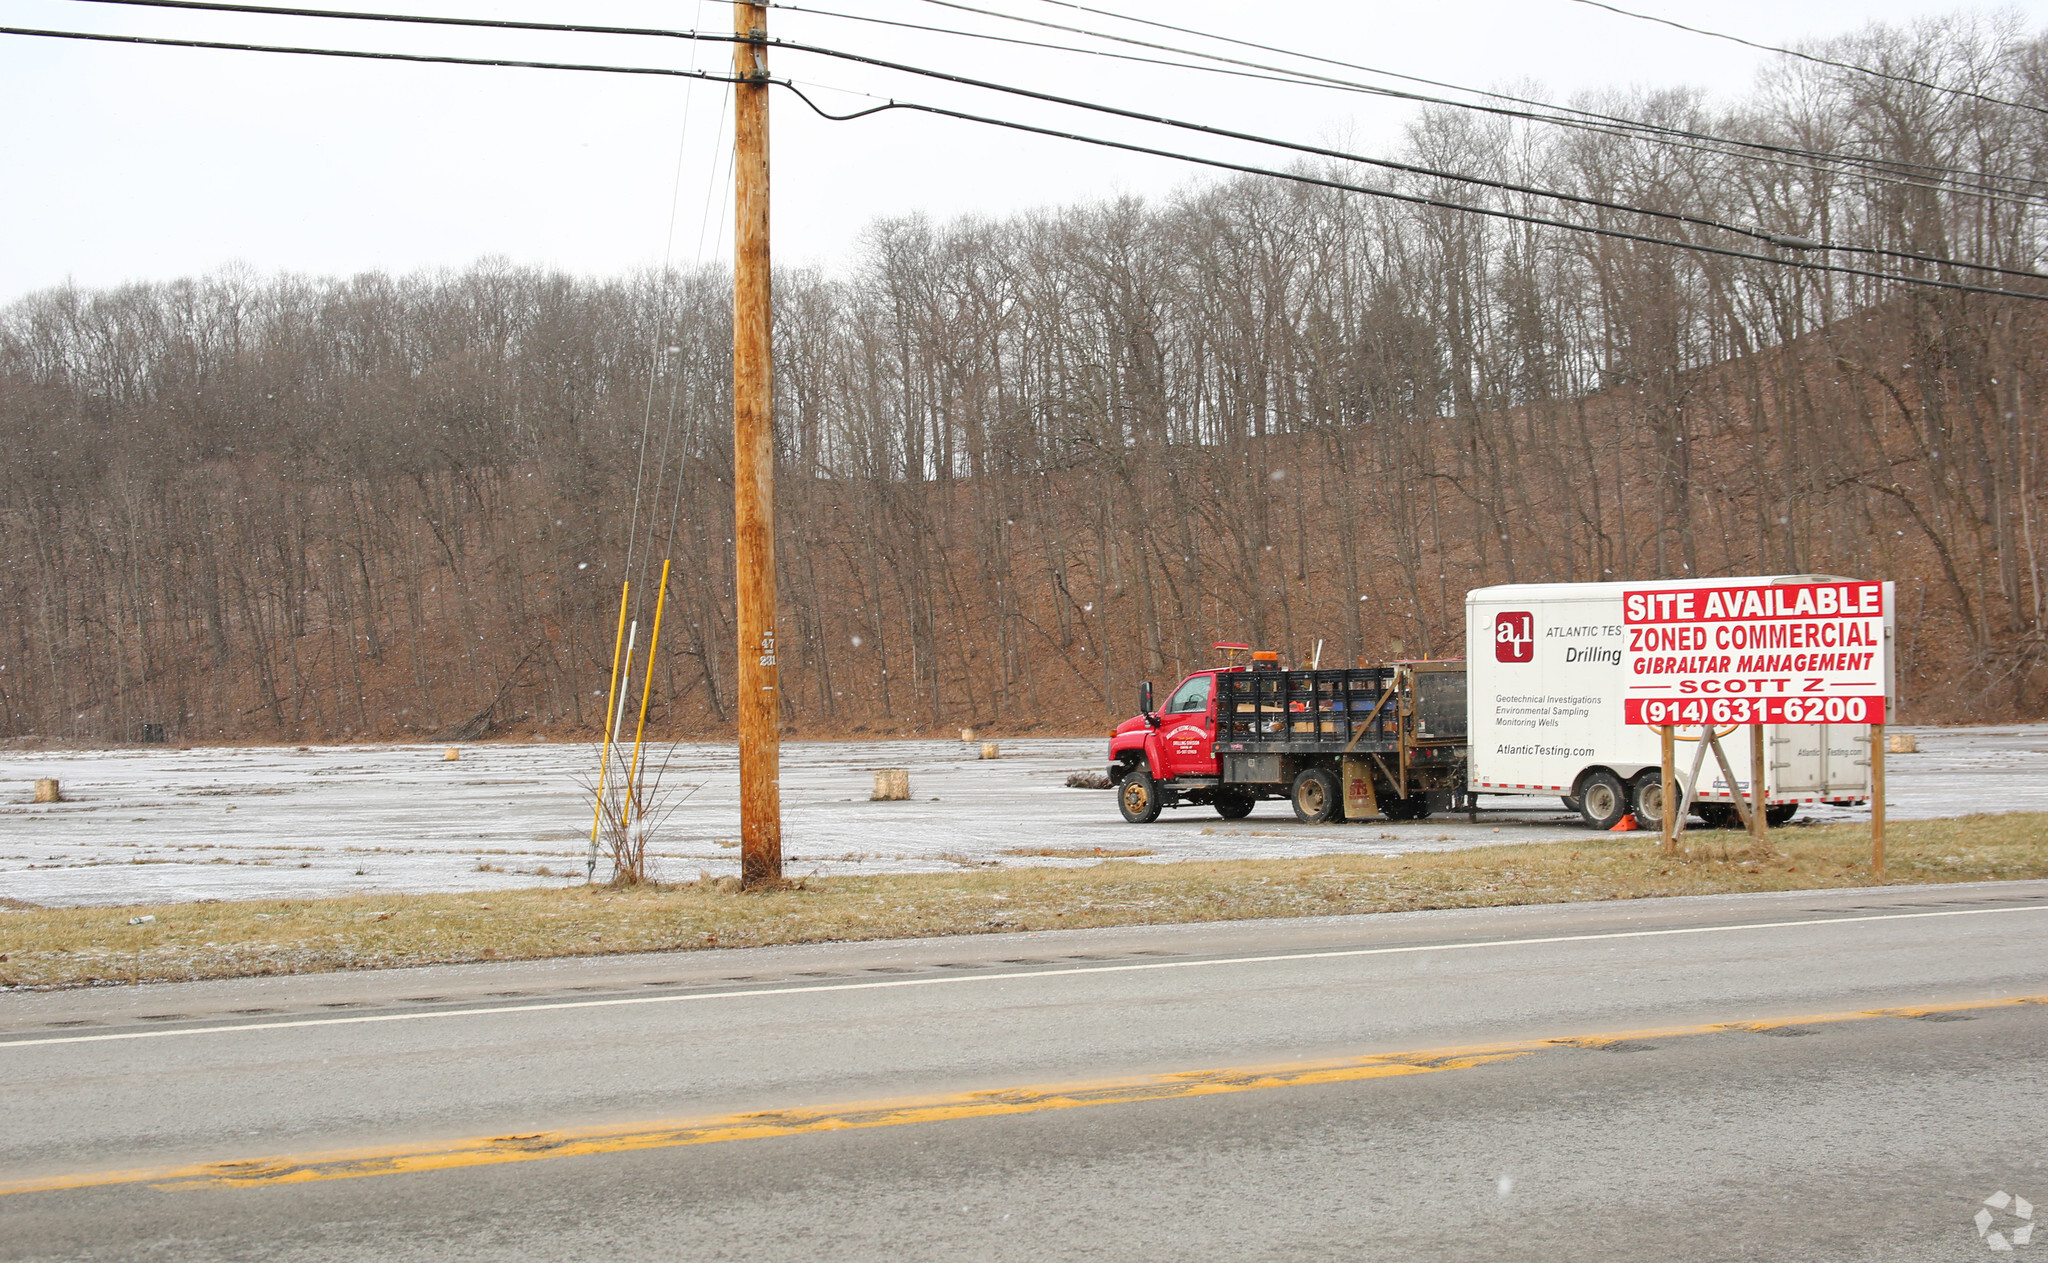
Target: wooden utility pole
<point>753,458</point>
<point>1877,743</point>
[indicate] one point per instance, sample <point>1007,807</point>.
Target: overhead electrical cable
<point>658,339</point>
<point>1287,74</point>
<point>360,54</point>
<point>660,351</point>
<point>1130,147</point>
<point>1614,120</point>
<point>704,225</point>
<point>1300,177</point>
<point>1600,124</point>
<point>1874,73</point>
<point>1785,240</point>
<point>1407,168</point>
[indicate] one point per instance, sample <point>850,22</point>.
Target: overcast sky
<point>129,163</point>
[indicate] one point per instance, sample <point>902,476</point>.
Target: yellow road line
<point>628,1137</point>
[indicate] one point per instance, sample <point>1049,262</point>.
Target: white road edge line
<point>1020,975</point>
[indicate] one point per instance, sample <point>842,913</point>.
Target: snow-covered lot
<point>149,825</point>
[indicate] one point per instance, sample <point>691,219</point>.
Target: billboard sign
<point>1757,653</point>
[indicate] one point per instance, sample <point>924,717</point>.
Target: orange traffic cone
<point>1627,824</point>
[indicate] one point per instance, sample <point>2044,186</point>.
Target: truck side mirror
<point>1145,698</point>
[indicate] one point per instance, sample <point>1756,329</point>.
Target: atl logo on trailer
<point>1514,637</point>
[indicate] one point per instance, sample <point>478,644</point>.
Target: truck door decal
<point>1187,735</point>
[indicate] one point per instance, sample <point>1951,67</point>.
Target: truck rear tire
<point>1778,815</point>
<point>1315,796</point>
<point>1413,807</point>
<point>1234,806</point>
<point>1138,797</point>
<point>1602,800</point>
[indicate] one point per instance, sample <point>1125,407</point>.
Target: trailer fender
<point>1626,773</point>
<point>1579,781</point>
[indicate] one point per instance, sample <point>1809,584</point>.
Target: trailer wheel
<point>1718,817</point>
<point>1602,801</point>
<point>1138,797</point>
<point>1315,796</point>
<point>1648,799</point>
<point>1234,806</point>
<point>1778,815</point>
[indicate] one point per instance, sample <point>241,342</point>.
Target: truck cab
<point>1167,757</point>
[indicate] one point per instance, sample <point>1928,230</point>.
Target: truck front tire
<point>1138,797</point>
<point>1602,800</point>
<point>1315,796</point>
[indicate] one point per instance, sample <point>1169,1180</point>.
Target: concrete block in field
<point>46,790</point>
<point>892,784</point>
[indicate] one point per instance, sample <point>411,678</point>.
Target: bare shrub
<point>631,817</point>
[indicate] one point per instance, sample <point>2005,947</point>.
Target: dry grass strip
<point>66,947</point>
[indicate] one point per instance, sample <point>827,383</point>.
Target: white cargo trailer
<point>1546,711</point>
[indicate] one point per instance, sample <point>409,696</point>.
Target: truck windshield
<point>1191,697</point>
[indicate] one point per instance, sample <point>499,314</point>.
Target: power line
<point>1817,60</point>
<point>1588,120</point>
<point>1218,163</point>
<point>1614,120</point>
<point>1288,75</point>
<point>366,55</point>
<point>658,338</point>
<point>416,19</point>
<point>1416,198</point>
<point>1320,151</point>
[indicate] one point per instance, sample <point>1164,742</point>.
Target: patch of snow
<point>156,825</point>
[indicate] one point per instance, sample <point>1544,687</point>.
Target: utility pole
<point>753,458</point>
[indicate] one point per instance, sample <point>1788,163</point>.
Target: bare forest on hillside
<point>1027,462</point>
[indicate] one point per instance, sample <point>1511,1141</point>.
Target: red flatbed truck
<point>1337,744</point>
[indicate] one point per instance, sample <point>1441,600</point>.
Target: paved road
<point>1697,1079</point>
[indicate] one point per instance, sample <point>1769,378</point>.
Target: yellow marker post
<point>646,691</point>
<point>605,742</point>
